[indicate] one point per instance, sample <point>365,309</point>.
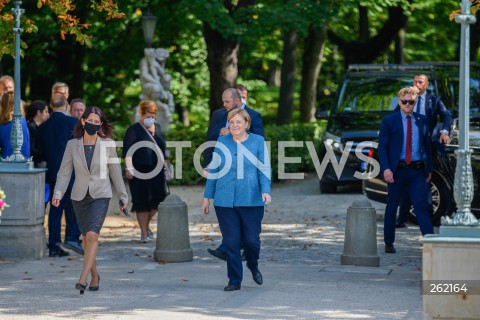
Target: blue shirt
<point>5,139</point>
<point>239,173</point>
<point>416,155</point>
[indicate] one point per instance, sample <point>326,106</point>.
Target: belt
<point>412,165</point>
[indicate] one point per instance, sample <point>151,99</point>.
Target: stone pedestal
<point>173,239</point>
<point>452,259</point>
<point>360,245</point>
<point>22,235</point>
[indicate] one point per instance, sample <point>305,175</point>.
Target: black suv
<point>366,94</point>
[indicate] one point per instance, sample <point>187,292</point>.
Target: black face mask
<point>90,128</point>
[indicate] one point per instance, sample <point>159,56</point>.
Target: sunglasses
<point>410,102</point>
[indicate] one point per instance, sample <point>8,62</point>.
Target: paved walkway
<point>302,241</point>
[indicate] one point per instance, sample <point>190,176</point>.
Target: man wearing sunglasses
<point>404,150</point>
<point>433,108</point>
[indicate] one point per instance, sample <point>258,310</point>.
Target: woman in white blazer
<point>92,154</point>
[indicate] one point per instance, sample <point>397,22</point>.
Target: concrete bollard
<point>173,239</point>
<point>360,245</point>
<point>22,235</point>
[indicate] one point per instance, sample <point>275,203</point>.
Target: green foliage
<point>294,132</point>
<point>196,136</point>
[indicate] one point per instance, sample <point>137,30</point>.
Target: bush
<point>300,132</point>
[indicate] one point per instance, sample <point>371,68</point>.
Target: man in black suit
<point>232,98</point>
<point>404,150</point>
<point>433,108</point>
<point>218,122</point>
<point>53,136</point>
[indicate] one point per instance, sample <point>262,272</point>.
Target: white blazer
<point>105,166</point>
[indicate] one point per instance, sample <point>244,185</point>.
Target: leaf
<point>162,262</point>
<point>131,271</point>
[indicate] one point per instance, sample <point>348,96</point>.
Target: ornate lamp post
<point>16,136</point>
<point>463,184</point>
<point>149,22</point>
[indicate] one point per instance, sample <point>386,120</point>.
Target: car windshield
<point>372,94</point>
<point>474,87</point>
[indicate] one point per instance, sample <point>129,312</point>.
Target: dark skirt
<point>90,213</point>
<point>147,193</point>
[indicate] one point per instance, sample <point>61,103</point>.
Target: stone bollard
<point>22,235</point>
<point>173,240</point>
<point>360,245</point>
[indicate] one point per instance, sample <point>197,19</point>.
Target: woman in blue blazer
<point>239,184</point>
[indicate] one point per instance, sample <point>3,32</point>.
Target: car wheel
<point>326,187</point>
<point>441,200</point>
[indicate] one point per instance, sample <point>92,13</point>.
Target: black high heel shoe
<point>81,287</point>
<point>96,287</point>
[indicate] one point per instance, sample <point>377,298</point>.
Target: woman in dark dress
<point>143,150</point>
<point>93,156</point>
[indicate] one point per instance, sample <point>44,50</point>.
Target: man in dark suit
<point>232,98</point>
<point>53,136</point>
<point>439,123</point>
<point>405,155</point>
<point>218,122</point>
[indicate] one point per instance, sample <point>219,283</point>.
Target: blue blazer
<point>237,187</point>
<point>5,145</point>
<point>52,138</point>
<point>435,108</point>
<point>218,121</point>
<point>390,141</point>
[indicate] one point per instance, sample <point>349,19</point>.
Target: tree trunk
<point>474,40</point>
<point>222,61</point>
<point>287,86</point>
<point>312,63</point>
<point>400,46</point>
<point>364,29</point>
<point>368,51</point>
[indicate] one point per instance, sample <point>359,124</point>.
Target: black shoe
<point>256,275</point>
<point>58,253</point>
<point>80,287</point>
<point>232,287</point>
<point>399,224</point>
<point>75,246</point>
<point>389,248</point>
<point>218,254</point>
<point>96,287</point>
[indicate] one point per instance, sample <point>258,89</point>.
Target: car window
<point>372,94</point>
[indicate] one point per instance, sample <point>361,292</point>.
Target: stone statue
<point>155,85</point>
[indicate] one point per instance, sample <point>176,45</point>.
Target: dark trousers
<point>240,225</point>
<point>72,233</point>
<point>406,204</point>
<point>413,181</point>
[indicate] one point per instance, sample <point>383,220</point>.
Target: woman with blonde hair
<point>143,150</point>
<point>240,189</point>
<point>6,117</point>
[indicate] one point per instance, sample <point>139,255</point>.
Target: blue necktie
<point>419,102</point>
